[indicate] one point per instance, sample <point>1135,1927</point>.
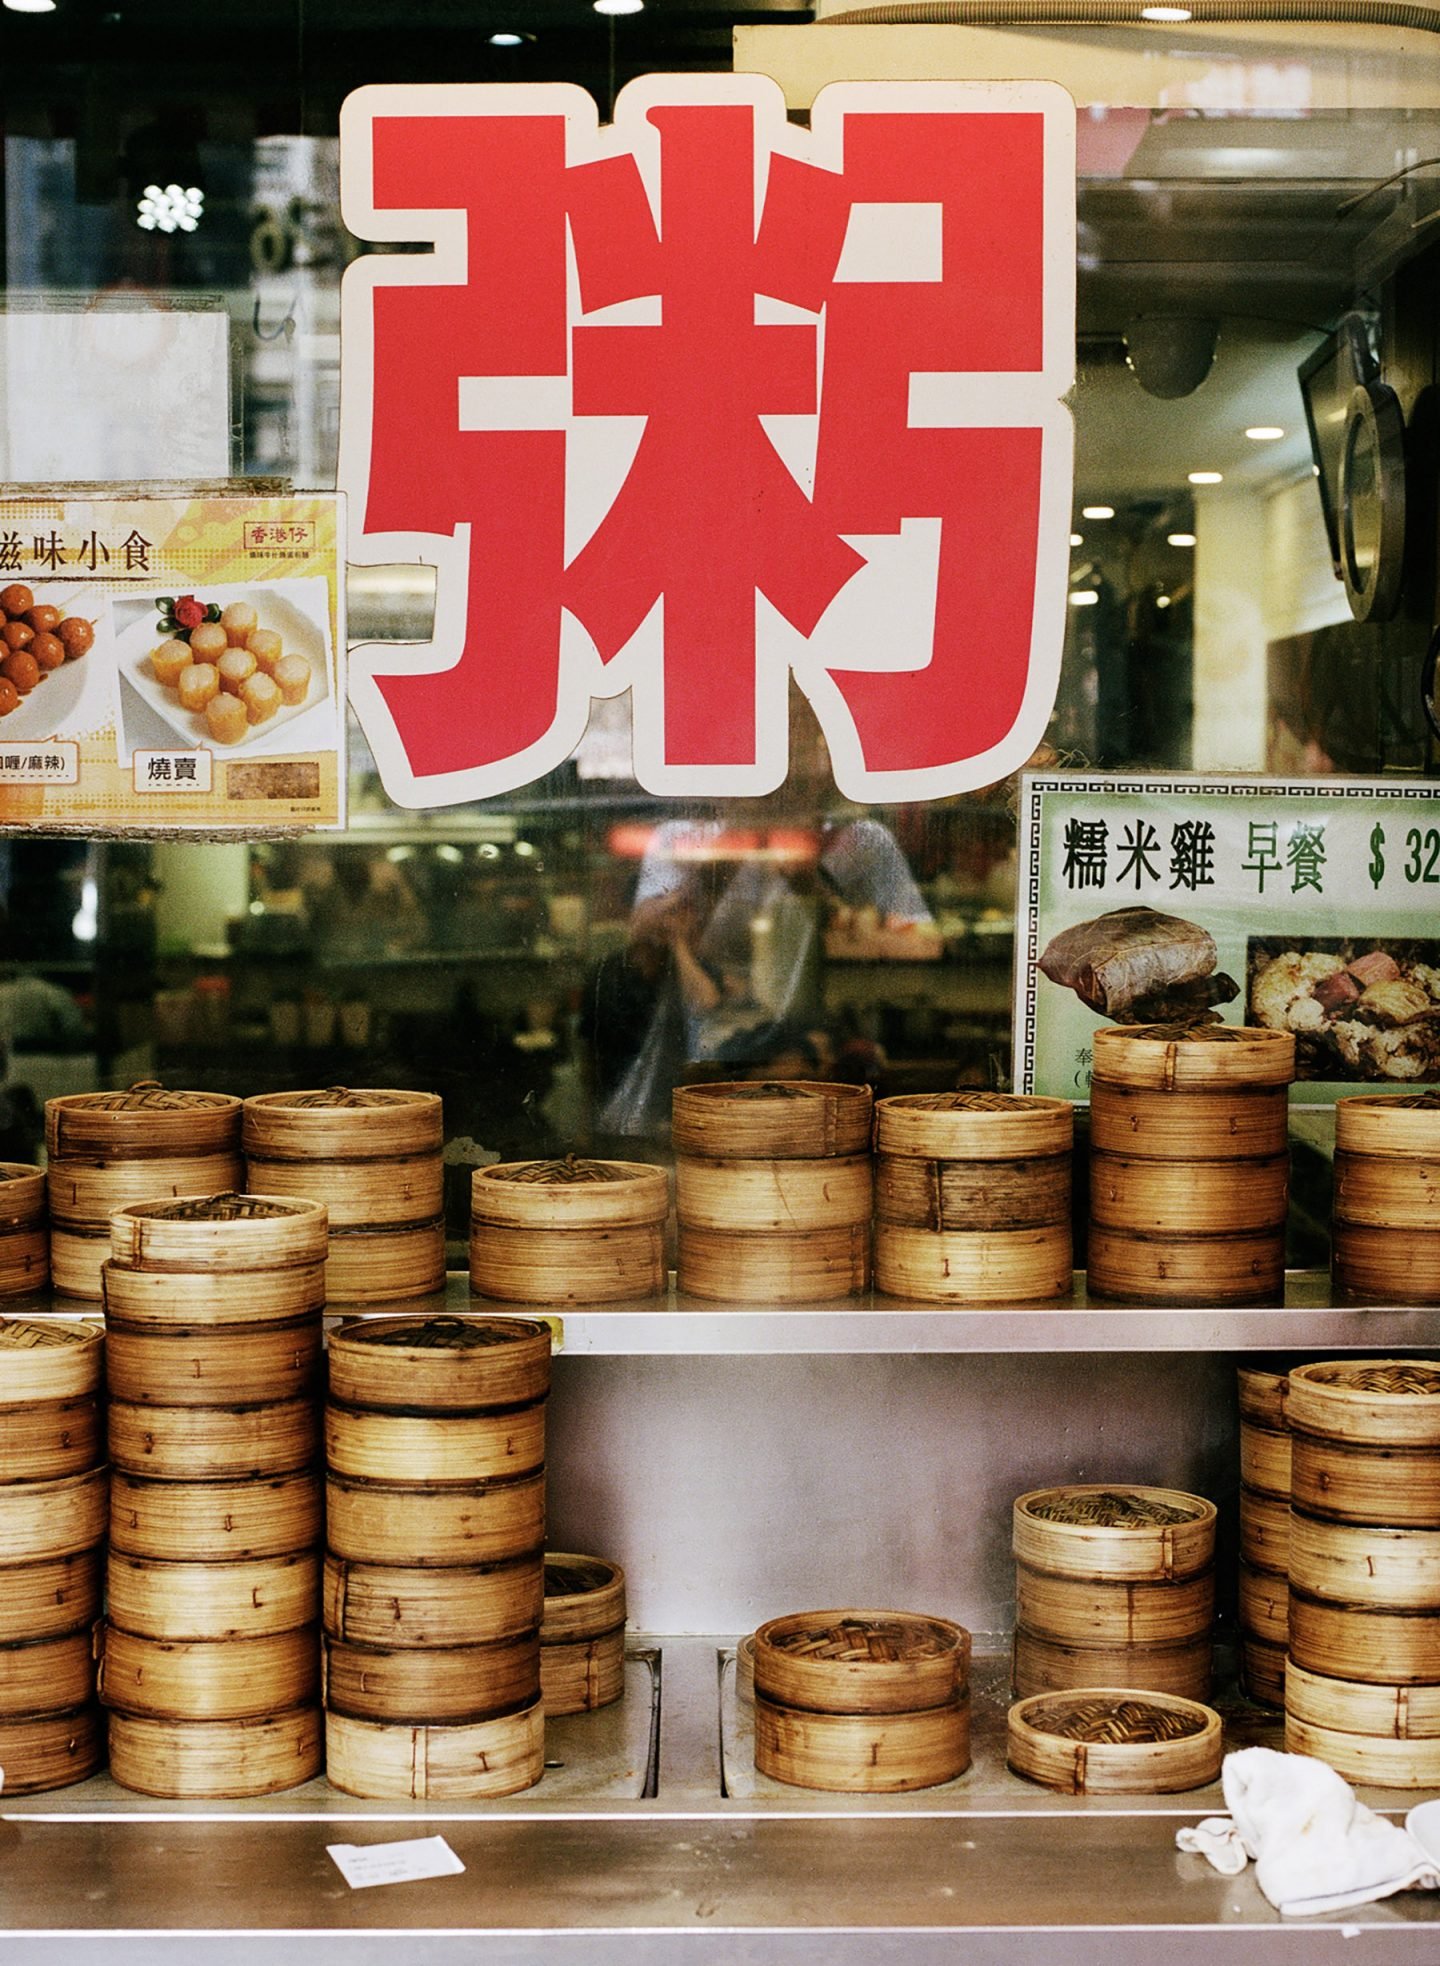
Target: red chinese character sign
<point>698,400</point>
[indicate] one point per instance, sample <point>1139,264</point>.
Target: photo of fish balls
<point>238,621</point>
<point>9,696</point>
<point>236,666</point>
<point>44,620</point>
<point>17,634</point>
<point>292,674</point>
<point>78,636</point>
<point>198,684</point>
<point>267,648</point>
<point>168,660</point>
<point>16,599</point>
<point>21,669</point>
<point>208,642</point>
<point>261,696</point>
<point>36,639</point>
<point>226,718</point>
<point>48,651</point>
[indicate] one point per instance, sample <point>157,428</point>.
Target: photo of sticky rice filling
<point>1358,1010</point>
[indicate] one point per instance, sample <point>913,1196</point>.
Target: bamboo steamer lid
<point>84,1194</point>
<point>1264,1605</point>
<point>1108,1741</point>
<point>1046,1665</point>
<point>47,1599</point>
<point>385,1266</point>
<point>972,1194</point>
<point>1399,1713</point>
<point>571,1193</point>
<point>1387,1192</point>
<point>343,1123</point>
<point>781,1197</point>
<point>436,1526</point>
<point>24,1261</point>
<point>1246,1122</point>
<point>584,1597</point>
<point>566,1266</point>
<point>429,1447</point>
<point>1181,1269</point>
<point>1004,1126</point>
<point>1124,1532</point>
<point>188,1601</point>
<point>54,1437</point>
<point>147,1122</point>
<point>49,1359</point>
<point>358,1194</point>
<point>399,1604</point>
<point>203,1679</point>
<point>757,1269</point>
<point>1264,1531</point>
<point>1397,1125</point>
<point>581,1675</point>
<point>861,1753</point>
<point>1003,1266</point>
<point>214,1443</point>
<point>44,1519</point>
<point>1262,1397</point>
<point>219,1232</point>
<point>212,1365</point>
<point>1385,1764</point>
<point>1262,1671</point>
<point>1350,1641</point>
<point>1398,1569</point>
<point>46,1675</point>
<point>163,1298</point>
<point>497,1756</point>
<point>790,1119</point>
<point>194,1760</point>
<point>1380,1265</point>
<point>1385,1401</point>
<point>1223,1197</point>
<point>215,1521</point>
<point>434,1684</point>
<point>441,1363</point>
<point>861,1662</point>
<point>51,1751</point>
<point>1080,1612</point>
<point>1199,1058</point>
<point>22,1195</point>
<point>1265,1461</point>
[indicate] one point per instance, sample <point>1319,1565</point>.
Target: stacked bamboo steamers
<point>52,1525</point>
<point>1264,1534</point>
<point>434,1585</point>
<point>1386,1231</point>
<point>569,1231</point>
<point>211,1662</point>
<point>24,1230</point>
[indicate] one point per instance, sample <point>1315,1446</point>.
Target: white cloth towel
<point>1315,1847</point>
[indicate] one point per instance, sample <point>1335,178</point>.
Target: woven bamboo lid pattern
<point>573,1191</point>
<point>1388,1401</point>
<point>584,1597</point>
<point>344,1122</point>
<point>218,1232</point>
<point>1205,1057</point>
<point>1406,1123</point>
<point>861,1661</point>
<point>45,1359</point>
<point>754,1119</point>
<point>148,1119</point>
<point>973,1126</point>
<point>1097,1740</point>
<point>1091,1530</point>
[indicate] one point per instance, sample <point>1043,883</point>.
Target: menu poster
<point>1307,906</point>
<point>171,663</point>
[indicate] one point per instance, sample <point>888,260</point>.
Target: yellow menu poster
<point>172,663</point>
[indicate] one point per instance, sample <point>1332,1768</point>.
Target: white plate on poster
<point>55,707</point>
<point>297,611</point>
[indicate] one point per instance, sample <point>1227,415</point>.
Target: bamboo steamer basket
<point>440,1364</point>
<point>1382,1191</point>
<point>40,1520</point>
<point>572,1193</point>
<point>1348,1641</point>
<point>1264,1531</point>
<point>1047,1665</point>
<point>1386,1229</point>
<point>343,1123</point>
<point>449,1447</point>
<point>24,1237</point>
<point>436,1526</point>
<point>1219,1197</point>
<point>51,1751</point>
<point>1078,1612</point>
<point>1204,1059</point>
<point>973,1267</point>
<point>1382,1763</point>
<point>861,1662</point>
<point>401,1604</point>
<point>162,1299</point>
<point>1264,1605</point>
<point>214,1443</point>
<point>22,1196</point>
<point>580,1675</point>
<point>1397,1713</point>
<point>582,1633</point>
<point>46,1675</point>
<point>1385,1265</point>
<point>1121,1533</point>
<point>974,1126</point>
<point>222,1233</point>
<point>1389,1125</point>
<point>47,1359</point>
<point>434,1684</point>
<point>384,1265</point>
<point>215,1760</point>
<point>210,1365</point>
<point>1140,1124</point>
<point>862,1754</point>
<point>1265,1461</point>
<point>745,1670</point>
<point>372,1194</point>
<point>771,1119</point>
<point>212,1601</point>
<point>1263,1671</point>
<point>1107,1741</point>
<point>776,1197</point>
<point>497,1756</point>
<point>215,1521</point>
<point>1398,1569</point>
<point>50,1439</point>
<point>1388,1402</point>
<point>568,1231</point>
<point>148,1122</point>
<point>1262,1398</point>
<point>76,1262</point>
<point>50,1599</point>
<point>755,1269</point>
<point>1393,1487</point>
<point>1180,1269</point>
<point>966,1195</point>
<point>84,1194</point>
<point>203,1679</point>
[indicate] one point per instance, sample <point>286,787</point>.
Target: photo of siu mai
<point>1137,966</point>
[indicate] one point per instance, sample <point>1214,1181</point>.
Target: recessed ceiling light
<point>30,6</point>
<point>1179,539</point>
<point>1164,13</point>
<point>618,6</point>
<point>1097,511</point>
<point>1206,477</point>
<point>1162,600</point>
<point>1077,539</point>
<point>505,39</point>
<point>1264,433</point>
<point>1084,597</point>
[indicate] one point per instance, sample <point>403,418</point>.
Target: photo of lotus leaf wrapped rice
<point>1360,1009</point>
<point>1137,966</point>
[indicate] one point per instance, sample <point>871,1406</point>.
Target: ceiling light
<point>1084,597</point>
<point>1164,13</point>
<point>1097,511</point>
<point>618,6</point>
<point>1264,433</point>
<point>30,6</point>
<point>175,208</point>
<point>1162,600</point>
<point>1206,477</point>
<point>1077,539</point>
<point>1179,539</point>
<point>506,39</point>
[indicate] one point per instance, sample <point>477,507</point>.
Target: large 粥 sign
<point>697,400</point>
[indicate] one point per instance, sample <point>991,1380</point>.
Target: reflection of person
<point>877,908</point>
<point>361,905</point>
